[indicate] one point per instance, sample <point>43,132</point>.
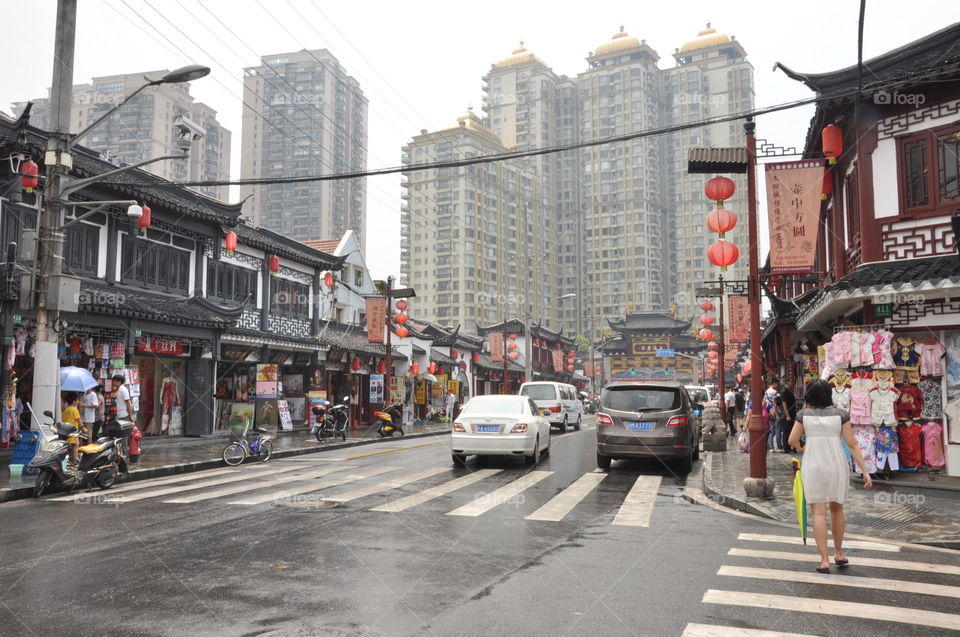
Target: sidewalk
<point>918,508</point>
<point>167,456</point>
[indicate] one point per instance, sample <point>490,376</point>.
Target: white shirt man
<point>451,401</point>
<point>730,398</point>
<point>88,407</point>
<point>124,405</point>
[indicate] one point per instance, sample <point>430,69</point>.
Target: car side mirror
<point>544,412</point>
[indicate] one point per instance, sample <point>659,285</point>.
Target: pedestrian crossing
<point>490,490</point>
<point>785,581</point>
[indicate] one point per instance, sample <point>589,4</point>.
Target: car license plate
<point>640,426</point>
<point>488,429</point>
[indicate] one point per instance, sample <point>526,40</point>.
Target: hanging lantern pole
<point>389,371</point>
<point>721,385</point>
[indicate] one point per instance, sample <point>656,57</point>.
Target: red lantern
<point>523,378</point>
<point>274,263</point>
<point>512,346</point>
<point>328,279</point>
<point>721,220</point>
<point>720,189</point>
<point>713,345</point>
<point>29,179</point>
<point>454,354</point>
<point>493,375</point>
<point>355,364</point>
<point>475,357</point>
<point>513,337</point>
<point>402,305</point>
<point>571,352</point>
<point>747,368</point>
<point>231,241</point>
<point>706,306</point>
<point>381,367</point>
<point>723,253</point>
<point>402,332</point>
<point>706,320</point>
<point>713,356</point>
<point>739,378</point>
<point>832,141</point>
<point>827,185</point>
<point>558,346</point>
<point>415,368</point>
<point>401,319</point>
<point>706,334</point>
<point>536,342</point>
<point>432,367</point>
<point>144,221</point>
<point>569,368</point>
<point>513,356</point>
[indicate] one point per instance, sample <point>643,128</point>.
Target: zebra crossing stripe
<point>856,610</point>
<point>506,493</point>
<point>562,503</point>
<point>236,476</point>
<point>709,630</point>
<point>923,567</point>
<point>147,484</point>
<point>435,492</point>
<point>793,539</point>
<point>257,486</point>
<point>637,507</point>
<point>335,481</point>
<point>385,486</point>
<point>896,586</point>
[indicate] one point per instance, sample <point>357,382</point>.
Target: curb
<point>733,502</point>
<point>9,494</point>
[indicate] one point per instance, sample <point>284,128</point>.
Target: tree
<point>582,344</point>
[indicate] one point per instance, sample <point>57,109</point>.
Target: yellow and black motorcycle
<point>390,420</point>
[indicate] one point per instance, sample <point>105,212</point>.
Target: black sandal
<point>823,569</point>
<point>842,562</point>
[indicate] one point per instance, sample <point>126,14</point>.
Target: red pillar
<point>758,443</point>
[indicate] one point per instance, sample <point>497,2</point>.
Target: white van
<point>559,399</point>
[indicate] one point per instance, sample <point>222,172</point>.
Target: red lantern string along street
<point>381,367</point>
<point>512,346</point>
<point>513,337</point>
<point>30,179</point>
<point>713,355</point>
<point>513,355</point>
<point>475,357</point>
<point>402,305</point>
<point>401,318</point>
<point>355,364</point>
<point>713,345</point>
<point>706,320</point>
<point>274,264</point>
<point>720,189</point>
<point>415,368</point>
<point>328,279</point>
<point>739,378</point>
<point>723,253</point>
<point>832,140</point>
<point>569,368</point>
<point>402,332</point>
<point>721,221</point>
<point>230,240</point>
<point>144,221</point>
<point>747,367</point>
<point>706,306</point>
<point>706,334</point>
<point>433,368</point>
<point>454,354</point>
<point>827,185</point>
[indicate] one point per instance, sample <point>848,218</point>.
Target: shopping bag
<point>743,441</point>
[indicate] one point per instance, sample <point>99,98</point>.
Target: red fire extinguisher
<point>135,437</point>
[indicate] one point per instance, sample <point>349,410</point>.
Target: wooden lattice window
<point>928,165</point>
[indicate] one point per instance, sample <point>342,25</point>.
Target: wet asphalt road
<point>130,562</point>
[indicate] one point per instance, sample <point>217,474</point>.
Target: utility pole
<point>389,371</point>
<point>57,161</point>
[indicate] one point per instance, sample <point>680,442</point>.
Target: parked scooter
<point>99,464</point>
<point>331,421</point>
<point>390,420</point>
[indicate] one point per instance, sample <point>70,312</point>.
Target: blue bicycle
<point>236,452</point>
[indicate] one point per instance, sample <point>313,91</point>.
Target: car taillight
<point>458,426</point>
<point>603,420</point>
<point>677,421</point>
<point>555,409</point>
<point>519,428</point>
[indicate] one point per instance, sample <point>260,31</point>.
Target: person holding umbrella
<point>817,432</point>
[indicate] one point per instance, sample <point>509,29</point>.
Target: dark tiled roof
<point>352,338</point>
<point>486,362</point>
<point>513,326</point>
<point>649,322</point>
<point>129,303</point>
<point>284,247</point>
<point>717,160</point>
<point>441,358</point>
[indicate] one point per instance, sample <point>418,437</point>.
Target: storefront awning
<point>129,303</point>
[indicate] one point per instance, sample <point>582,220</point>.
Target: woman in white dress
<point>824,469</point>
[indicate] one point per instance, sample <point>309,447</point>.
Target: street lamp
<point>528,340</point>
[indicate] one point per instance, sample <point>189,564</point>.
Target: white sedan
<point>500,425</point>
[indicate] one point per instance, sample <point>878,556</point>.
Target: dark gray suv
<point>648,420</point>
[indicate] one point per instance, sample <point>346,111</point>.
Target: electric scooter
<point>331,421</point>
<point>390,420</point>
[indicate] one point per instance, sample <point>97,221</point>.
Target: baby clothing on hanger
<point>861,383</point>
<point>839,354</point>
<point>932,395</point>
<point>882,406</point>
<point>866,438</point>
<point>883,357</point>
<point>933,444</point>
<point>931,358</point>
<point>909,404</point>
<point>866,349</point>
<point>907,359</point>
<point>910,446</point>
<point>887,448</point>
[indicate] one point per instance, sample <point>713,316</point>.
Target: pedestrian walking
<point>788,407</point>
<point>730,403</point>
<point>740,405</point>
<point>817,433</point>
<point>450,404</point>
<point>772,397</point>
<point>88,413</point>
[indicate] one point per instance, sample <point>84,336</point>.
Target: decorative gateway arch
<point>652,346</point>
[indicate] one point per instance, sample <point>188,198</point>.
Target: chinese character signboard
<point>557,360</point>
<point>793,208</point>
<point>496,346</point>
<point>376,318</point>
<point>159,345</point>
<point>738,313</point>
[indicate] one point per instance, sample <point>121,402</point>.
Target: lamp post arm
<point>78,184</point>
<point>75,138</point>
<point>98,205</point>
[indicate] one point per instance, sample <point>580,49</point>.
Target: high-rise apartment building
<point>143,128</point>
<point>472,236</point>
<point>304,115</point>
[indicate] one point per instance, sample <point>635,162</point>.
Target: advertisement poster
<point>793,208</point>
<point>293,385</point>
<point>314,399</point>
<point>420,392</point>
<point>454,387</point>
<point>283,411</point>
<point>376,318</point>
<point>298,409</point>
<point>396,389</point>
<point>267,414</point>
<point>268,377</point>
<point>317,380</point>
<point>440,386</point>
<point>376,388</point>
<point>496,346</point>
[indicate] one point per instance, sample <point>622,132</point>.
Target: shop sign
<point>283,410</point>
<point>302,359</point>
<point>454,387</point>
<point>557,360</point>
<point>235,353</point>
<point>496,346</point>
<point>376,388</point>
<point>159,345</point>
<point>738,311</point>
<point>420,392</point>
<point>376,318</point>
<point>793,208</point>
<point>439,386</point>
<point>883,310</point>
<point>396,389</point>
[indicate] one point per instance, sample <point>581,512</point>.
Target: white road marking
<point>506,493</point>
<point>435,492</point>
<point>562,503</point>
<point>856,610</point>
<point>794,539</point>
<point>314,486</point>
<point>239,476</point>
<point>149,483</point>
<point>804,577</point>
<point>384,486</point>
<point>923,567</point>
<point>257,486</point>
<point>708,630</point>
<point>637,507</point>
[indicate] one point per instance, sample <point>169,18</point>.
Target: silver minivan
<point>560,399</point>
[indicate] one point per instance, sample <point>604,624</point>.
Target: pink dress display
<point>866,340</point>
<point>860,403</point>
<point>883,356</point>
<point>839,355</point>
<point>931,355</point>
<point>933,444</point>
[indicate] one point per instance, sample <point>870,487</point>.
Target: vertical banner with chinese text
<point>738,313</point>
<point>557,360</point>
<point>376,318</point>
<point>496,346</point>
<point>793,209</point>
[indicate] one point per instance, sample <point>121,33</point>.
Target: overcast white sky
<point>420,63</point>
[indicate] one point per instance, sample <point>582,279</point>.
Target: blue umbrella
<point>76,379</point>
